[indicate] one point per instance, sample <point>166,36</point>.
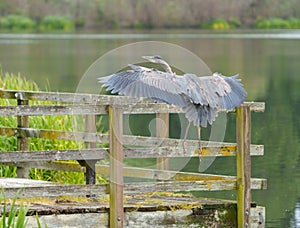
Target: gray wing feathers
<point>200,97</point>
<point>144,82</point>
<point>209,94</point>
<point>236,96</point>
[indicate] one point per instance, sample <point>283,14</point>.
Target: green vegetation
<point>17,23</point>
<point>65,123</point>
<point>277,23</point>
<point>57,22</point>
<point>15,218</point>
<point>221,24</point>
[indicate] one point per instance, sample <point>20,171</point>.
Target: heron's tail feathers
<point>200,115</point>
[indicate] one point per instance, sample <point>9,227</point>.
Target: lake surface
<point>268,63</point>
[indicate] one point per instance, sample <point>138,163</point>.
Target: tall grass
<point>65,123</point>
<point>12,217</point>
<point>15,218</point>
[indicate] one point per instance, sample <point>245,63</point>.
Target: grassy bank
<point>64,123</point>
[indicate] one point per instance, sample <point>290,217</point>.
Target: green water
<point>269,67</point>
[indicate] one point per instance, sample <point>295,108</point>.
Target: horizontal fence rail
<point>98,99</point>
<point>210,148</point>
<point>122,147</point>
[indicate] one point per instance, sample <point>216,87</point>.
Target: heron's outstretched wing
<point>216,91</point>
<point>209,94</point>
<point>145,82</point>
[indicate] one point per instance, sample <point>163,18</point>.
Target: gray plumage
<point>200,97</point>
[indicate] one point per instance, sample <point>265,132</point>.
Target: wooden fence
<point>90,106</point>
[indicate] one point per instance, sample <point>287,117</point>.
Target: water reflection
<point>163,34</point>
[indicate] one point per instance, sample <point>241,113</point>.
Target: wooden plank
<point>209,148</point>
<point>243,135</point>
<point>21,183</point>
<point>101,153</point>
<point>255,106</point>
<point>178,152</point>
<point>49,165</point>
<point>37,110</point>
<point>129,104</point>
<point>55,191</point>
<point>67,97</point>
<point>55,134</point>
<point>47,155</point>
<point>174,186</point>
<point>156,174</point>
<point>257,217</point>
<point>162,131</point>
<point>256,183</point>
<point>116,216</point>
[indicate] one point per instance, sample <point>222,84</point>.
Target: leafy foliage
<point>56,22</point>
<point>277,23</point>
<point>17,23</point>
<point>221,24</point>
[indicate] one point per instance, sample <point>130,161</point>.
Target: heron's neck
<point>166,67</point>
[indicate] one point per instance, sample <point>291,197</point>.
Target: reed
<point>11,216</point>
<point>64,123</point>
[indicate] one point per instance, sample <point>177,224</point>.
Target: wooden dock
<point>149,209</point>
<point>125,199</point>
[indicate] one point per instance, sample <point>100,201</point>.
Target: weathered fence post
<point>90,127</point>
<point>162,131</point>
<point>22,142</point>
<point>116,166</point>
<point>243,138</point>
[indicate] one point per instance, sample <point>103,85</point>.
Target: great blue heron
<point>200,97</point>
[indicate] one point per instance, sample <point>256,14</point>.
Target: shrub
<point>234,22</point>
<point>277,23</point>
<point>221,24</point>
<point>56,22</point>
<point>17,22</point>
<point>262,24</point>
<point>294,23</point>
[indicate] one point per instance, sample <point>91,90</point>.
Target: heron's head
<point>154,58</point>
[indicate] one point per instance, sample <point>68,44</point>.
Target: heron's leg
<point>200,144</point>
<point>185,136</point>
